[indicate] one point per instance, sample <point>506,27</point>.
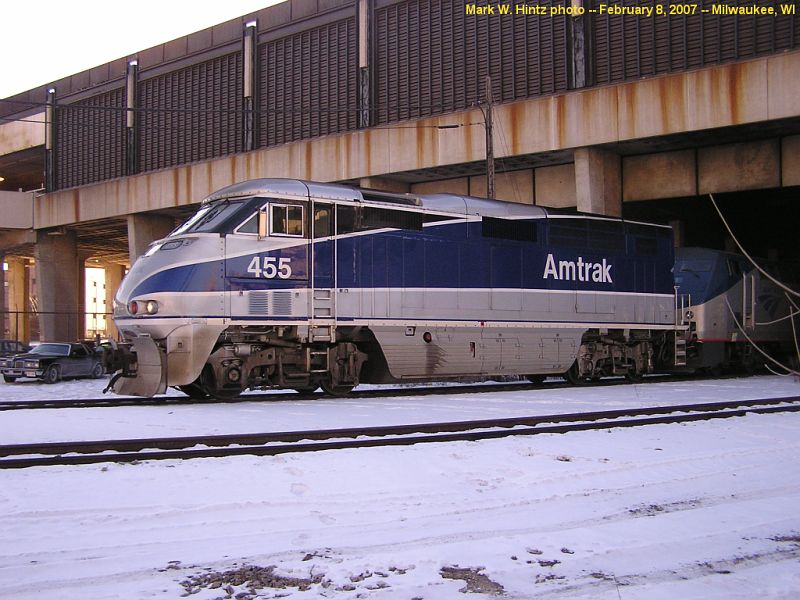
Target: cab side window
<point>323,221</point>
<point>286,220</point>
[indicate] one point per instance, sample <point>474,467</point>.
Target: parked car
<point>12,347</point>
<point>53,361</point>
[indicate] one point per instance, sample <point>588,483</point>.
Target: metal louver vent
<point>258,303</point>
<point>281,303</point>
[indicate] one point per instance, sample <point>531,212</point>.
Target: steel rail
<point>281,396</point>
<point>263,444</point>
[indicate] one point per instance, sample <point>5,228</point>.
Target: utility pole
<point>487,117</point>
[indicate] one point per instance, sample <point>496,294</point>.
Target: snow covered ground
<point>699,510</point>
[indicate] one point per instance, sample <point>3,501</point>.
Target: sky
<point>45,40</point>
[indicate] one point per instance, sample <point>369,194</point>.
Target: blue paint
<point>454,255</point>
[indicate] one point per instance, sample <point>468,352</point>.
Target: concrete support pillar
<point>145,229</point>
<point>678,233</point>
<point>114,275</point>
<point>598,182</point>
<point>18,298</point>
<point>59,281</point>
<point>3,299</point>
<point>83,321</point>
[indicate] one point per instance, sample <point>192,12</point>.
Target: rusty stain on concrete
<point>309,154</point>
<point>468,141</point>
<point>366,149</point>
<point>514,121</point>
<point>175,188</point>
<point>560,120</point>
<point>733,91</point>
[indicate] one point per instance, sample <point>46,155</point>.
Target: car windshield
<point>209,217</point>
<point>59,349</point>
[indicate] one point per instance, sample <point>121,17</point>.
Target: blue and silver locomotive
<point>738,318</point>
<point>293,284</point>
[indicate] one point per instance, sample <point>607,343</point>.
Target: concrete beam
<point>59,286</point>
<point>12,240</point>
<point>734,167</point>
<point>663,175</point>
<point>459,185</point>
<point>555,186</point>
<point>385,185</point>
<point>515,186</point>
<point>143,230</point>
<point>598,182</point>
<point>21,135</point>
<point>16,209</point>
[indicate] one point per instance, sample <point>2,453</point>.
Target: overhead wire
<point>750,258</point>
<point>786,289</point>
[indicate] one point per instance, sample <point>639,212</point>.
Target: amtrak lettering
<point>570,270</point>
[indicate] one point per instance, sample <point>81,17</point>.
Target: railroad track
<point>479,388</point>
<point>283,396</point>
<point>266,444</point>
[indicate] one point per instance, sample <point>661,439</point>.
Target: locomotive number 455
<point>270,267</point>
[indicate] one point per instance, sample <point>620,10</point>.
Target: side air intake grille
<point>257,303</point>
<point>281,303</point>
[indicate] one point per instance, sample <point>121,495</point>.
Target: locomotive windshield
<point>692,276</point>
<point>209,219</point>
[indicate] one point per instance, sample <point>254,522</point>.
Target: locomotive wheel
<point>537,379</point>
<point>209,384</point>
<point>337,390</point>
<point>572,375</point>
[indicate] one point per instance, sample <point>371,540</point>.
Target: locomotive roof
<point>446,203</point>
<point>451,203</point>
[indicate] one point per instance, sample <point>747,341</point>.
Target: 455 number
<point>270,267</point>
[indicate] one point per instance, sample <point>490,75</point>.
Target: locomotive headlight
<point>689,315</point>
<point>151,307</point>
<point>133,307</point>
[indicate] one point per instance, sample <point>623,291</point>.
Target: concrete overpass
<point>649,148</point>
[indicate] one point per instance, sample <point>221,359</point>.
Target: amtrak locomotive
<point>293,284</point>
<point>738,318</point>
